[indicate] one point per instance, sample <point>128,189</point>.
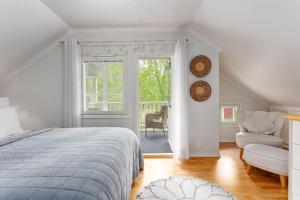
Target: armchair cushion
<point>260,122</point>
<point>268,158</point>
<point>245,138</point>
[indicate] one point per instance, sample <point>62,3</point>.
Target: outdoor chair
<point>158,120</point>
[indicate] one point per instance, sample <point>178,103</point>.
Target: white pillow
<point>9,123</point>
<point>4,102</point>
<point>258,122</point>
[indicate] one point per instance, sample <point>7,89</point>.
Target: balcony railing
<point>144,108</point>
<point>149,107</point>
<point>100,106</point>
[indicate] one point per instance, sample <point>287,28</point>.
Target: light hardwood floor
<point>227,171</point>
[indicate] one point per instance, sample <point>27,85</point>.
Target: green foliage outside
<point>154,79</point>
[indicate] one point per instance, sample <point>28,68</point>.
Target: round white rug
<point>183,188</point>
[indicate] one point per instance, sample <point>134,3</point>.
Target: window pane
<point>115,86</point>
<point>91,101</point>
<point>100,89</point>
<point>115,98</point>
<point>87,99</point>
<point>115,103</point>
<point>115,70</point>
<point>228,113</point>
<point>115,107</point>
<point>94,69</point>
<point>90,85</point>
<point>104,86</point>
<point>100,71</point>
<point>91,69</point>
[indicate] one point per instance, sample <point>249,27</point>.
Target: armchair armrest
<point>242,129</point>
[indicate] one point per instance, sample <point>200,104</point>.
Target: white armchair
<point>259,127</point>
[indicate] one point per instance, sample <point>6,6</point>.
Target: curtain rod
<point>122,42</point>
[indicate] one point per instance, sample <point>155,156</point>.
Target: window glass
<point>103,87</point>
<point>228,113</point>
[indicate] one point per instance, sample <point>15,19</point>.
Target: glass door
<point>154,103</point>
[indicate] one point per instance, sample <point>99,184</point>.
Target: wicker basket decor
<point>200,91</point>
<point>200,66</point>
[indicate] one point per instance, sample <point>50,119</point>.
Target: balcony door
<point>154,104</point>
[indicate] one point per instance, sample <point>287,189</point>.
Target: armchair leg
<point>241,153</point>
<point>283,181</point>
<point>249,167</point>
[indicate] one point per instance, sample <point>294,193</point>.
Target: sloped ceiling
<point>124,13</point>
<point>26,27</point>
<point>259,39</point>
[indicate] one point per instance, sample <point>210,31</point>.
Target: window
<point>228,115</point>
<point>103,86</point>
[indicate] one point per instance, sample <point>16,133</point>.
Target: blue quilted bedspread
<point>77,163</point>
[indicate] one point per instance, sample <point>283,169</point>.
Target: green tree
<point>154,79</point>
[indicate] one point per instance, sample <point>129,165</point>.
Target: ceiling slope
<point>26,27</point>
<point>260,43</point>
<point>260,40</point>
<point>124,13</point>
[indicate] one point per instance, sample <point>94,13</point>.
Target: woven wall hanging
<point>200,91</point>
<point>200,66</point>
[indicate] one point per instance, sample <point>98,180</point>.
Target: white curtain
<point>72,84</point>
<point>179,102</point>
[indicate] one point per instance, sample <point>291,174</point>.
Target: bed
<point>75,163</point>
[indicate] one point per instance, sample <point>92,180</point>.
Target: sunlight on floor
<point>226,171</point>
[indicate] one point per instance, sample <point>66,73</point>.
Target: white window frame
<point>104,114</point>
<point>224,123</point>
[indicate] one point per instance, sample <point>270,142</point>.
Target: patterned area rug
<point>183,188</point>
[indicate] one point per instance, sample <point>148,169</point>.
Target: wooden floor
<point>227,171</point>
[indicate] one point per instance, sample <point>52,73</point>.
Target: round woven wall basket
<point>200,66</point>
<point>200,91</point>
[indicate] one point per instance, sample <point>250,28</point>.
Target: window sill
<point>104,116</point>
<point>229,125</point>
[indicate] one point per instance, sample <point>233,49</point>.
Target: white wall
<point>204,116</point>
<point>38,90</point>
<point>286,109</point>
<point>232,93</point>
<point>26,27</point>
